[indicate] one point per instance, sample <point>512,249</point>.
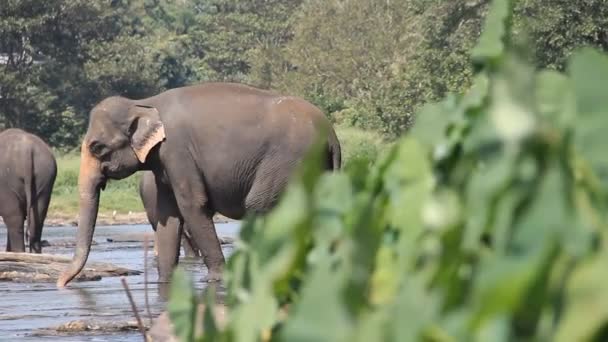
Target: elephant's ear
<point>146,130</point>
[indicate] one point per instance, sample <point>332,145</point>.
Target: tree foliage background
<point>366,63</point>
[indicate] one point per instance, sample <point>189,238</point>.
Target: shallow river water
<point>27,307</point>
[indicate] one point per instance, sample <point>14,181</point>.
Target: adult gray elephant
<point>27,176</point>
<point>149,196</point>
<point>217,147</point>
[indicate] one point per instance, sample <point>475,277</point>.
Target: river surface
<point>26,307</point>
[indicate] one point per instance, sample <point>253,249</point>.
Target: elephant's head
<point>119,138</point>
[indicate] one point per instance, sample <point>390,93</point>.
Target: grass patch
<point>360,146</point>
<point>121,196</point>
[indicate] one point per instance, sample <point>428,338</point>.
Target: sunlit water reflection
<point>27,307</point>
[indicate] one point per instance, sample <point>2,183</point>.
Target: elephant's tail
<point>335,152</point>
<point>30,194</point>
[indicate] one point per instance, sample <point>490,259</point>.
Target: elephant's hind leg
<point>35,223</point>
<point>168,233</point>
<point>14,228</point>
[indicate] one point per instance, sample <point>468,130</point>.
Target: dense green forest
<point>368,63</point>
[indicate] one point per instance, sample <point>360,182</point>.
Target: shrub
<point>359,146</point>
<point>486,223</point>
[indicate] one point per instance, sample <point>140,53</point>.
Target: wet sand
<point>26,310</point>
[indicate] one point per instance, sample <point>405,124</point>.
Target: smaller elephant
<point>148,192</point>
<point>27,175</point>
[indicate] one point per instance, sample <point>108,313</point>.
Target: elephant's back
<point>19,137</point>
<point>26,155</point>
<point>241,121</point>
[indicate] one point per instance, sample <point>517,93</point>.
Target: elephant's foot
<point>212,277</point>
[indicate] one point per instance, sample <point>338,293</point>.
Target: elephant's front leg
<point>205,236</point>
<point>168,247</point>
<point>192,202</point>
<point>168,234</point>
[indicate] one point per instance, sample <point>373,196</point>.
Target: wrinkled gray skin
<point>217,147</point>
<point>27,175</point>
<point>149,195</point>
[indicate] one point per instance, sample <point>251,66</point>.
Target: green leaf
<point>476,97</point>
<point>586,306</point>
<point>548,216</point>
<point>257,310</point>
<point>413,297</point>
<point>494,37</point>
<point>211,331</point>
<point>486,183</point>
<point>511,109</point>
<point>555,99</point>
<point>408,182</point>
<point>182,306</point>
<point>320,314</point>
<point>589,69</point>
<point>501,285</point>
<point>432,123</point>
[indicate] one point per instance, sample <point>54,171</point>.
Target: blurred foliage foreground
<point>486,223</point>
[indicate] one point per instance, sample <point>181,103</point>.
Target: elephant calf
<point>27,175</point>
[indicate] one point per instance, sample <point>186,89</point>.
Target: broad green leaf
<point>432,123</point>
<point>491,45</point>
<point>182,306</point>
<point>547,217</point>
<point>257,310</point>
<point>586,305</point>
<point>589,70</point>
<point>333,199</point>
<point>486,183</point>
<point>280,226</point>
<point>414,297</point>
<point>511,108</point>
<point>497,329</point>
<point>476,97</point>
<point>320,314</point>
<point>371,327</point>
<point>555,99</point>
<point>408,183</point>
<point>210,329</point>
<point>501,285</point>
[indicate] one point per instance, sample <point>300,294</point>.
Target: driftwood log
<point>69,243</point>
<point>28,267</point>
<point>140,237</point>
<point>88,327</point>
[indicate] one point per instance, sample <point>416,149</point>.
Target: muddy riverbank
<point>108,219</point>
<point>93,310</point>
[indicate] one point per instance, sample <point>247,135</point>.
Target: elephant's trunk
<point>90,180</point>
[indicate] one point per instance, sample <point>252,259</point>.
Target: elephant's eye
<point>97,148</point>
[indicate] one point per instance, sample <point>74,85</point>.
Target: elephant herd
<point>210,148</point>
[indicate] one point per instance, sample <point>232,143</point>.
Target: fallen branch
<point>28,267</point>
<point>146,280</point>
<point>134,308</point>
